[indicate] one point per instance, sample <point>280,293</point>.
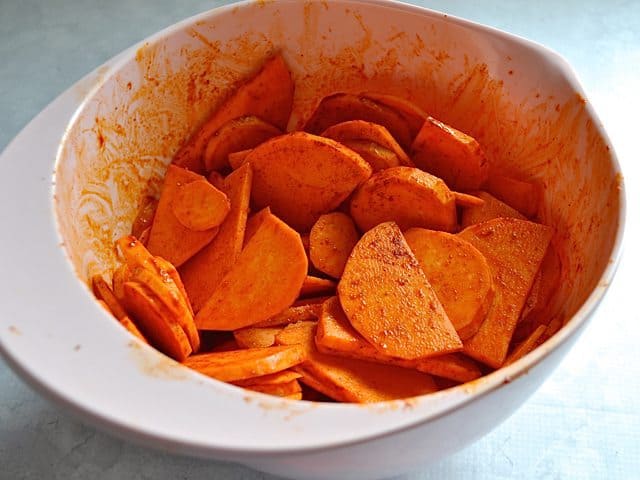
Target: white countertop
<point>585,420</point>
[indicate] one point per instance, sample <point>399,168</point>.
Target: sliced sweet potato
<point>277,389</point>
<point>412,113</point>
<point>125,321</point>
<point>451,155</point>
<point>360,130</point>
<point>265,279</point>
<point>253,222</point>
<point>526,346</point>
<point>407,196</point>
<point>341,107</point>
<point>490,208</point>
<point>331,240</point>
<point>203,272</point>
<point>301,176</point>
<point>388,300</point>
<point>466,200</point>
<point>378,157</point>
<point>514,250</point>
<point>102,291</point>
<point>216,179</point>
<point>155,321</point>
<point>252,337</point>
<point>295,396</point>
<point>458,273</point>
<point>293,314</point>
<point>248,363</point>
<point>236,159</point>
<point>200,206</point>
<point>268,95</point>
<point>241,133</point>
<point>120,276</point>
<point>284,376</point>
<point>336,336</point>
<point>519,194</point>
<point>144,218</point>
<point>350,380</point>
<point>169,238</point>
<point>314,286</point>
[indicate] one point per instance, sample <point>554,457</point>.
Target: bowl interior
<point>520,101</point>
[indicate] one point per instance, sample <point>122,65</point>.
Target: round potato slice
<point>407,196</point>
<point>377,156</point>
<point>330,242</point>
<point>238,134</point>
<point>200,206</point>
<point>412,113</point>
<point>458,273</point>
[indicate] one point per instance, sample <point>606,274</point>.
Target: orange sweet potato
<point>155,321</point>
<point>237,158</point>
<point>264,280</point>
<point>458,273</point>
<point>451,155</point>
<point>341,107</point>
<point>102,291</point>
<point>301,176</point>
<point>360,130</point>
<point>284,376</point>
<point>144,218</point>
<point>277,389</point>
<point>242,364</point>
<point>378,157</point>
<point>314,286</point>
<point>514,250</point>
<point>268,95</point>
<point>336,336</point>
<point>252,337</point>
<point>466,200</point>
<point>293,314</point>
<point>388,300</point>
<point>216,179</point>
<point>125,321</point>
<point>490,208</point>
<point>241,133</point>
<point>406,196</point>
<point>331,240</point>
<point>203,272</point>
<point>526,346</point>
<point>120,276</point>
<point>412,113</point>
<point>350,380</point>
<point>519,194</point>
<point>169,238</point>
<point>200,206</point>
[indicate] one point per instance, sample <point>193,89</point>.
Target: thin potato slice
<point>377,156</point>
<point>526,346</point>
<point>284,376</point>
<point>265,279</point>
<point>341,107</point>
<point>145,215</point>
<point>169,238</point>
<point>125,321</point>
<point>413,114</point>
<point>458,273</point>
<point>102,291</point>
<point>350,380</point>
<point>301,176</point>
<point>295,396</point>
<point>241,133</point>
<point>336,336</point>
<point>466,200</point>
<point>277,389</point>
<point>200,206</point>
<point>450,154</point>
<point>242,364</point>
<point>252,337</point>
<point>490,208</point>
<point>388,300</point>
<point>331,240</point>
<point>120,276</point>
<point>203,272</point>
<point>519,194</point>
<point>361,130</point>
<point>406,196</point>
<point>514,250</point>
<point>155,322</point>
<point>268,95</point>
<point>313,286</point>
<point>293,314</point>
<point>236,159</point>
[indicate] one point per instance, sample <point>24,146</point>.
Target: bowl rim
<point>486,385</point>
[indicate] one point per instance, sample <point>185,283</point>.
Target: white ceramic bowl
<point>71,181</point>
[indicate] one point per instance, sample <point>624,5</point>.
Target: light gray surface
<point>583,423</point>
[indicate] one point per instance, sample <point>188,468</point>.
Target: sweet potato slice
<point>155,321</point>
<point>102,291</point>
<point>489,209</point>
<point>242,364</point>
<point>331,240</point>
<point>200,206</point>
<point>277,389</point>
<point>169,238</point>
<point>360,130</point>
<point>265,279</point>
<point>203,272</point>
<point>466,200</point>
<point>120,276</point>
<point>406,196</point>
<point>216,179</point>
<point>268,95</point>
<point>237,158</point>
<point>314,286</point>
<point>412,113</point>
<point>451,155</point>
<point>125,321</point>
<point>301,176</point>
<point>293,314</point>
<point>252,337</point>
<point>519,194</point>
<point>378,157</point>
<point>514,250</point>
<point>526,346</point>
<point>145,215</point>
<point>336,336</point>
<point>388,300</point>
<point>350,380</point>
<point>341,107</point>
<point>284,376</point>
<point>295,396</point>
<point>458,273</point>
<point>241,133</point>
